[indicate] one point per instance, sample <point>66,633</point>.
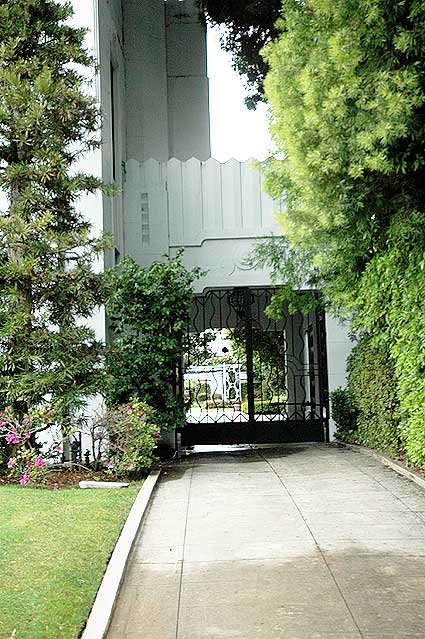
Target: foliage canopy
<point>248,27</point>
<point>347,89</point>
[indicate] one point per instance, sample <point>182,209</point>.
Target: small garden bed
<point>58,478</point>
<point>54,548</point>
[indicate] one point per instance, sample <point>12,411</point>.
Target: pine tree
<point>48,287</point>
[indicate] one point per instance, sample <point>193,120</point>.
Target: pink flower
<point>24,421</point>
<point>7,409</point>
<point>24,479</point>
<point>156,434</point>
<point>58,448</point>
<point>130,466</point>
<point>98,436</point>
<point>28,464</point>
<point>27,435</point>
<point>110,464</point>
<point>12,438</point>
<point>39,462</point>
<point>56,486</point>
<point>128,409</point>
<point>10,463</point>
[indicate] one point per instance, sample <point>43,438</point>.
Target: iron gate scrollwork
<point>250,379</point>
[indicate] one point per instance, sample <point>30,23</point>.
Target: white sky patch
<point>236,132</point>
<point>4,202</point>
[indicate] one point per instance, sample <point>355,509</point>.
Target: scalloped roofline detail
<point>193,159</point>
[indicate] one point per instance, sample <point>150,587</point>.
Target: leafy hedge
<point>391,301</point>
<point>266,406</point>
<point>371,402</point>
<point>344,414</point>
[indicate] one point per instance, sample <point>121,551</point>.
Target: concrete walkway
<point>301,542</point>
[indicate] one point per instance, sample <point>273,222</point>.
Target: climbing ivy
<point>392,309</point>
<point>148,310</point>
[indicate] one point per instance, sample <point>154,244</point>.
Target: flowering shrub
<point>131,435</point>
<point>24,460</point>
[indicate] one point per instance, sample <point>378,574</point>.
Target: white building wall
<point>146,80</point>
<point>338,347</point>
<point>110,54</point>
<point>153,92</point>
<point>187,83</point>
<point>166,80</point>
<point>216,212</point>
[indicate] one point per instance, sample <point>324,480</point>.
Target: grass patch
<point>54,548</point>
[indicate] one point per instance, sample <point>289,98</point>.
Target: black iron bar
<point>249,355</point>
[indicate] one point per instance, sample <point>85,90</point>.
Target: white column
<point>188,109</point>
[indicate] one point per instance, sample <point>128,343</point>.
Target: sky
<point>235,130</point>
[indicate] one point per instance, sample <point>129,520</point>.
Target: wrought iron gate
<point>250,379</point>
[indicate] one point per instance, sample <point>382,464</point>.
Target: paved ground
<point>304,542</point>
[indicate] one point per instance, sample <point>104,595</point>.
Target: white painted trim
<point>101,613</point>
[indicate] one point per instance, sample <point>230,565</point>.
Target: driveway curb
<point>104,604</point>
<point>387,461</point>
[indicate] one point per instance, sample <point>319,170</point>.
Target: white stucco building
<point>153,91</point>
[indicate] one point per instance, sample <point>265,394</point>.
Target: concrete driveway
<point>300,542</point>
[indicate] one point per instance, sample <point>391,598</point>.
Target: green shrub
<point>344,411</point>
<point>372,386</point>
<point>148,310</point>
<point>129,435</point>
<point>265,407</point>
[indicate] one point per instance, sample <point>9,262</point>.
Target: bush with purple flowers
<point>23,459</point>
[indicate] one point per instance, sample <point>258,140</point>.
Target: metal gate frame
<point>296,425</point>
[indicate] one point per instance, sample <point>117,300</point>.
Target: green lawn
<point>54,547</point>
